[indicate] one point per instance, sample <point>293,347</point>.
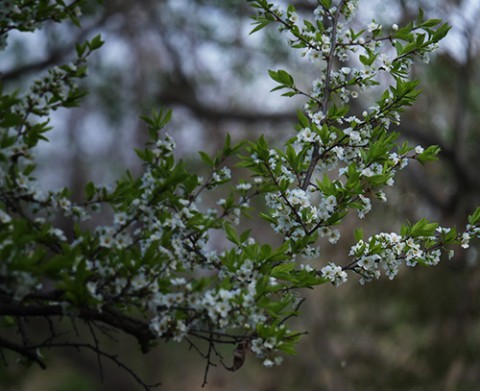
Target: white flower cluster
<point>339,143</point>
<point>295,211</point>
<point>221,176</point>
<point>334,274</point>
<point>175,231</point>
<point>470,233</point>
<point>8,11</point>
<point>387,251</point>
<point>18,187</point>
<point>371,47</point>
<point>15,15</point>
<point>5,218</point>
<point>110,237</point>
<point>266,349</point>
<point>226,309</point>
<point>164,147</point>
<point>156,255</point>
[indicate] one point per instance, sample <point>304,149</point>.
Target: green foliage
<point>155,271</point>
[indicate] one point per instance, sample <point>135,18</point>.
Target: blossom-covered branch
<point>154,271</point>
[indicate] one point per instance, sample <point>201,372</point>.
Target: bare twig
<point>98,351</point>
<point>28,352</point>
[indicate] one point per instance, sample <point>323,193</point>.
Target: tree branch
<point>176,96</point>
<point>138,329</point>
<point>25,351</point>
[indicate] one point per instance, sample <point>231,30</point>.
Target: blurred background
<point>418,332</point>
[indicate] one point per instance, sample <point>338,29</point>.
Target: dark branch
<point>140,330</point>
<point>173,96</point>
<point>25,351</point>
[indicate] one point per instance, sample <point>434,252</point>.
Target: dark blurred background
<point>418,332</point>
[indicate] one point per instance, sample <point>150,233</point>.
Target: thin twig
<point>111,357</point>
<point>25,351</point>
<point>209,362</point>
<point>99,357</point>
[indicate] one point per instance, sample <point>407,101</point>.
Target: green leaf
<point>423,228</point>
<point>288,348</point>
<point>245,235</point>
<point>429,154</point>
<point>358,234</point>
<point>280,254</point>
<point>283,270</point>
<point>326,3</point>
<point>231,234</point>
<point>96,42</point>
<point>303,119</point>
<point>282,77</point>
<point>474,218</point>
<point>90,190</point>
<point>420,17</point>
<point>404,33</point>
<point>206,158</point>
<point>441,32</point>
<point>10,120</point>
<point>81,48</point>
<point>259,25</point>
<point>431,22</point>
